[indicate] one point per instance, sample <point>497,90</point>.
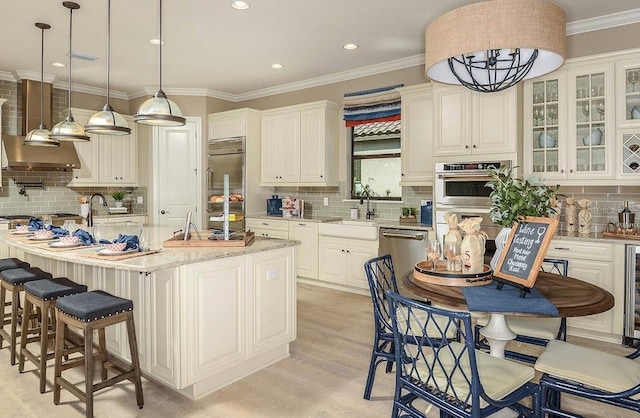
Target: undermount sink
<point>366,230</point>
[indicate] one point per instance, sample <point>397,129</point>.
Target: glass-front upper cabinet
<point>591,121</point>
<point>628,92</point>
<point>545,124</point>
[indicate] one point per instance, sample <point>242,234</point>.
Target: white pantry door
<point>177,179</point>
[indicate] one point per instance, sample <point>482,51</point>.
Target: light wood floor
<point>323,378</point>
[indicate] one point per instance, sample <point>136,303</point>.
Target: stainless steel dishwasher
<point>406,247</point>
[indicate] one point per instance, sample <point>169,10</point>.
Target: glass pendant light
<point>69,130</point>
<point>159,110</point>
<point>40,136</point>
<point>108,121</point>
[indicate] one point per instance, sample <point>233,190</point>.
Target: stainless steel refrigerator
<point>226,156</point>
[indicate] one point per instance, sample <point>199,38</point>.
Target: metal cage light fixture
<point>492,45</point>
<point>69,130</point>
<point>159,110</point>
<point>40,136</point>
<point>108,121</point>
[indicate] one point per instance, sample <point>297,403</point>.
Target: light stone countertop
<point>593,237</point>
<point>382,223</point>
<point>167,257</point>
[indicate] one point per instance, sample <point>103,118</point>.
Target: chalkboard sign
<point>526,247</point>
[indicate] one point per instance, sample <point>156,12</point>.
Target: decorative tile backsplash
<point>607,201</point>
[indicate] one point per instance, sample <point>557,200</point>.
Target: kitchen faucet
<point>370,211</point>
<point>90,215</point>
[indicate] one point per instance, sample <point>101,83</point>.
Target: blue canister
<point>426,213</point>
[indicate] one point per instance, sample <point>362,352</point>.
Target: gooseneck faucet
<point>90,215</point>
<point>370,211</point>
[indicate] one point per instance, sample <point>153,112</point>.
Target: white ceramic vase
<point>501,241</point>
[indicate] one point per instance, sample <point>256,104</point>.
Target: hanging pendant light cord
<point>108,50</point>
<point>42,79</point>
<point>160,84</point>
<point>70,37</point>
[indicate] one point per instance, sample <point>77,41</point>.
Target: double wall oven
<point>460,187</point>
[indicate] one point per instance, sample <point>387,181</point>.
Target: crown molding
<point>334,78</point>
<point>97,91</point>
<point>603,22</point>
<point>32,75</point>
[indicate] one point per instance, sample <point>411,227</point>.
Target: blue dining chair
<point>589,374</point>
<point>450,375</point>
<point>535,331</point>
<point>381,278</point>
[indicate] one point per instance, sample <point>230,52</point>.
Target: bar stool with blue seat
<point>13,280</point>
<point>43,294</point>
<point>7,264</point>
<point>91,311</point>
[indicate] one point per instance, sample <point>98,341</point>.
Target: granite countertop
<point>167,257</point>
<point>594,237</point>
<point>383,223</point>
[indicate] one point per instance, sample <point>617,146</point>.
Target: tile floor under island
<point>323,378</point>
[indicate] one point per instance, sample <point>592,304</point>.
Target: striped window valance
<point>375,105</point>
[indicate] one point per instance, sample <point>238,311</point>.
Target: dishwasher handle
<point>417,237</point>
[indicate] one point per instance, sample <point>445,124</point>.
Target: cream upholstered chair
<point>587,373</point>
<point>452,376</point>
<point>536,331</point>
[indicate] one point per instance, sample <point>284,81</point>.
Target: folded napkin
<point>84,237</point>
<point>58,231</point>
<point>131,240</point>
<point>35,224</point>
<point>507,300</point>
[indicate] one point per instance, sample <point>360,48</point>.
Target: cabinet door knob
<point>571,170</point>
<point>562,171</point>
<point>474,146</point>
<point>466,147</point>
<point>321,176</point>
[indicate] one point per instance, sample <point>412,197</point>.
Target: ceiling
<point>209,45</point>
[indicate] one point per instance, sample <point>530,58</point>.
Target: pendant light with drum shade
<point>40,136</point>
<point>159,110</point>
<point>492,45</point>
<point>107,121</point>
<point>69,130</point>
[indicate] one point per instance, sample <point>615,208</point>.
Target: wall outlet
<point>140,200</point>
<point>423,202</point>
<point>272,275</point>
<point>325,201</point>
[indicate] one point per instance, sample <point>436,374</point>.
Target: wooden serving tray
<point>422,273</point>
<point>240,239</point>
<point>621,236</point>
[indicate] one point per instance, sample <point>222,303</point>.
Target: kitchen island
<point>205,316</point>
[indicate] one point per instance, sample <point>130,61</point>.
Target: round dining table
<point>572,297</point>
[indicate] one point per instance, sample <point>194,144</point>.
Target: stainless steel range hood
<point>16,156</point>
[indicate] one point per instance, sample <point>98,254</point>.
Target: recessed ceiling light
<point>240,5</point>
<point>350,46</point>
<point>277,66</point>
<point>155,41</point>
<point>58,64</point>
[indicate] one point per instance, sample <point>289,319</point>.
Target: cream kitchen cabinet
<point>106,160</point>
<point>232,123</point>
<point>601,264</point>
<point>569,123</point>
<point>417,135</point>
<point>268,228</point>
<point>628,92</point>
<point>299,145</point>
<point>307,252</point>
<point>342,260</point>
<point>470,123</point>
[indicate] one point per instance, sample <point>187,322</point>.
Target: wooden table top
<point>572,297</point>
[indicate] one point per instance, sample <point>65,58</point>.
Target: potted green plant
<point>513,198</point>
<point>118,197</point>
